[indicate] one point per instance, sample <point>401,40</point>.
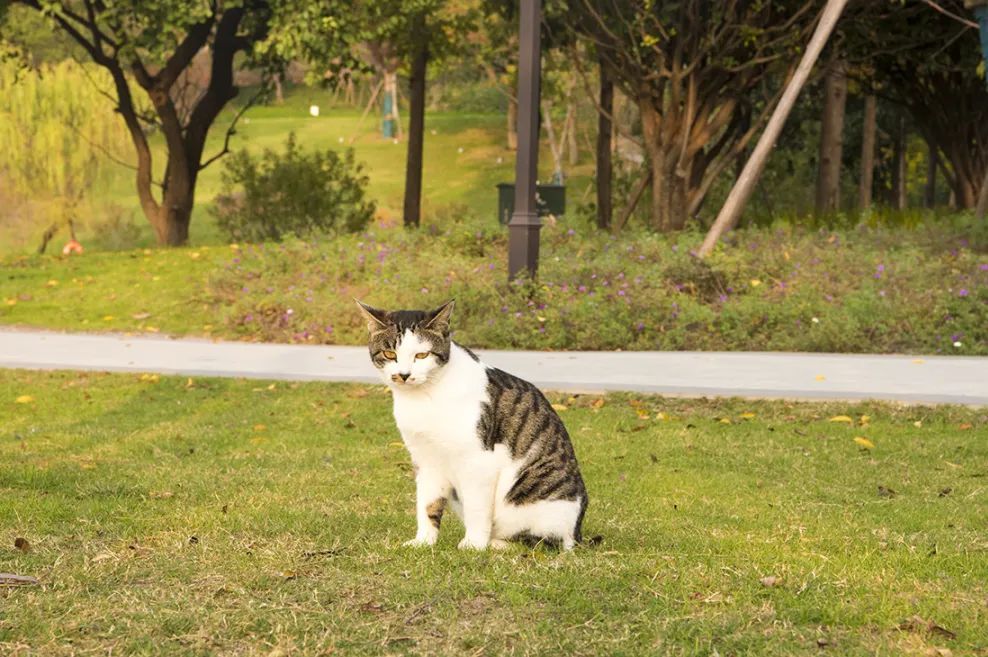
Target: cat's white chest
<point>439,424</point>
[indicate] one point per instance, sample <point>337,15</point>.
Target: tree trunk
<point>982,208</point>
<point>930,191</point>
<point>279,92</point>
<point>831,139</point>
<point>513,123</point>
<point>572,147</point>
<point>669,185</point>
<point>899,165</point>
<point>416,137</point>
<point>604,165</point>
<point>868,130</point>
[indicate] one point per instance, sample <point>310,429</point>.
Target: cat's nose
<point>404,375</point>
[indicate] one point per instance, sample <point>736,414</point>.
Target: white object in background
<point>313,110</point>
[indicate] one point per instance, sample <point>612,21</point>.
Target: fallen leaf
<point>944,492</point>
<point>965,426</point>
<point>24,399</point>
<point>259,427</point>
<point>10,579</point>
<point>661,416</point>
<point>190,384</point>
<point>918,361</point>
<point>864,442</point>
<point>725,420</point>
<point>22,544</point>
<point>193,540</point>
<point>865,419</point>
<point>770,581</point>
<point>918,424</point>
<point>642,413</point>
<point>150,378</point>
<point>820,377</point>
<point>108,318</point>
<point>755,282</point>
<point>597,403</point>
<point>51,283</point>
<point>747,416</point>
<point>841,418</point>
<point>559,407</point>
<point>139,316</point>
<point>884,491</point>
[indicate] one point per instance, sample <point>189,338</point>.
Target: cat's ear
<point>376,318</point>
<point>439,318</point>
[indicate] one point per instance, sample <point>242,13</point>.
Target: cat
<point>483,442</point>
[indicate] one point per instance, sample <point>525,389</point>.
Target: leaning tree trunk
<point>604,165</point>
<point>868,131</point>
<point>831,139</point>
<point>416,137</point>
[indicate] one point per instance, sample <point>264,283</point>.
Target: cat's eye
<point>420,356</point>
<point>390,355</point>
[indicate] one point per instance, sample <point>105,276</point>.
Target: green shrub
<point>295,192</point>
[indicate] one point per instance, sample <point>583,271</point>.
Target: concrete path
<point>927,379</point>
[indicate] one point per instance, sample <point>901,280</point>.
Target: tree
<point>697,70</point>
<point>408,34</point>
<point>831,138</point>
<point>152,44</point>
<point>928,62</point>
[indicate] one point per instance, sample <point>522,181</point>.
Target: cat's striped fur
<point>485,443</point>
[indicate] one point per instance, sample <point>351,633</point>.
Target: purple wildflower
<point>621,293</point>
<point>963,292</point>
<point>983,267</point>
<point>640,326</point>
<point>582,288</point>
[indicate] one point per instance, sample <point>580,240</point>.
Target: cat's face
<point>408,347</point>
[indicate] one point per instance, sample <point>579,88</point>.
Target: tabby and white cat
<point>487,443</point>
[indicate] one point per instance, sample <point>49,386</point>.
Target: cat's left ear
<point>439,320</point>
<point>377,319</point>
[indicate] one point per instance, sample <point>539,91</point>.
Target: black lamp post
<point>523,229</point>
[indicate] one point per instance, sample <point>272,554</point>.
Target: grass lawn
<point>197,517</point>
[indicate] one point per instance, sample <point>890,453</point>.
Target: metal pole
<point>523,229</point>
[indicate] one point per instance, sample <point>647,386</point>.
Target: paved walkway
<point>928,379</point>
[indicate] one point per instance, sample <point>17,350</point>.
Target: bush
<point>295,192</point>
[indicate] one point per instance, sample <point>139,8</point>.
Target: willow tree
<point>146,47</point>
<point>697,71</point>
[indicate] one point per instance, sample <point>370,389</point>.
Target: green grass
<point>234,517</point>
<point>921,290</point>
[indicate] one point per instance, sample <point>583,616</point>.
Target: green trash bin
<point>549,199</point>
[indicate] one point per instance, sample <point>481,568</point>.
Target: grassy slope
<point>298,497</point>
<point>451,177</point>
<point>862,290</point>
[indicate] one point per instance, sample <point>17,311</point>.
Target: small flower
<point>963,292</point>
<point>424,290</point>
<point>881,293</point>
<point>582,288</point>
<point>289,312</point>
<point>815,320</point>
<point>621,293</point>
<point>640,326</point>
<point>571,232</point>
<point>983,267</point>
<point>958,344</point>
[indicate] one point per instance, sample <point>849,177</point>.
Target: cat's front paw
<point>472,544</point>
<point>420,542</point>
